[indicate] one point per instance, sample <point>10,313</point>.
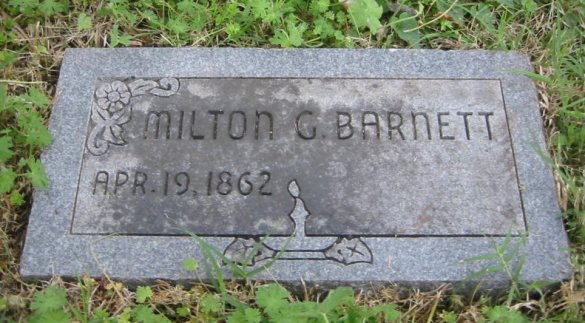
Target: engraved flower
<point>112,97</point>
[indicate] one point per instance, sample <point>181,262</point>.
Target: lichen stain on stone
<point>201,90</point>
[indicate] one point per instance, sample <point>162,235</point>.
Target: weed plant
<point>35,33</point>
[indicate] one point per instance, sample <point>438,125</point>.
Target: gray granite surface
<point>328,151</point>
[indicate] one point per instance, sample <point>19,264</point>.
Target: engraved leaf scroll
<point>248,250</point>
<point>349,251</point>
<point>112,110</point>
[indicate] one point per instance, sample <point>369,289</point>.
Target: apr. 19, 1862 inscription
<point>218,156</point>
<point>333,166</point>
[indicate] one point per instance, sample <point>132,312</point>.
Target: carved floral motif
<point>112,110</point>
<point>113,96</point>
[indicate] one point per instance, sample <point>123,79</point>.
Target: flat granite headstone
<point>353,167</point>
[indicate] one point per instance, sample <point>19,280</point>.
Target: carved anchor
<point>345,250</point>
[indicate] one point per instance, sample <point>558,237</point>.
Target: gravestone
<point>352,167</point>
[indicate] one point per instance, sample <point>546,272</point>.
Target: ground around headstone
<point>333,167</point>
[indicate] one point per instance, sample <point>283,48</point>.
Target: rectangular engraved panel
<point>371,157</point>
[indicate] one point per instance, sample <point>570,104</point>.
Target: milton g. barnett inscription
<point>347,166</point>
<point>215,156</point>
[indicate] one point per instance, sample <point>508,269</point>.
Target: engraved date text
<point>181,183</point>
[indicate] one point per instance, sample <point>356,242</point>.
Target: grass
<point>35,33</point>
